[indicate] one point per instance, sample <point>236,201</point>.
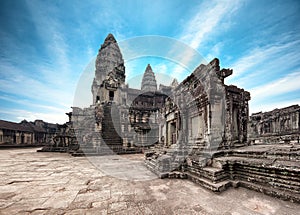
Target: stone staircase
<point>110,141</point>
<point>273,172</point>
<point>161,166</point>
<point>195,169</point>
<point>98,151</point>
<point>111,127</point>
<point>212,178</point>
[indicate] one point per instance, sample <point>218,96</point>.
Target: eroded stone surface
<point>276,126</point>
<point>52,183</point>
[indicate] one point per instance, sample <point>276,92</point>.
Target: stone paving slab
<point>57,183</point>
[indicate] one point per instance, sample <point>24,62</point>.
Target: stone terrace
<point>55,183</point>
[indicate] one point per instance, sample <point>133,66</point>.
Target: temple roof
<point>149,81</point>
<point>110,39</point>
<point>108,59</point>
<point>14,126</point>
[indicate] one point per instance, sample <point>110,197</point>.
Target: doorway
<point>111,95</point>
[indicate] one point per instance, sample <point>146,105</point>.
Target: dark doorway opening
<point>111,95</point>
<point>22,139</point>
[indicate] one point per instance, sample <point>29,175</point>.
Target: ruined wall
<point>237,112</point>
<point>277,126</point>
<point>85,125</point>
<point>205,113</point>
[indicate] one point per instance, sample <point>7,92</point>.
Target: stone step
<point>215,187</point>
<point>276,185</point>
<point>281,176</point>
<point>112,142</point>
<point>211,173</point>
<point>53,149</point>
<point>269,174</point>
<point>107,151</point>
<point>153,167</point>
<point>264,163</point>
<point>284,195</point>
<point>115,137</point>
<point>110,127</point>
<point>213,170</point>
<point>178,175</point>
<point>279,155</point>
<point>82,154</point>
<point>105,140</point>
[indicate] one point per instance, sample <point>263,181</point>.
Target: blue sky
<point>45,47</point>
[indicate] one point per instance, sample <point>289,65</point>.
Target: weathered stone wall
<point>198,121</point>
<point>237,112</point>
<point>84,124</point>
<point>277,126</point>
<point>206,111</point>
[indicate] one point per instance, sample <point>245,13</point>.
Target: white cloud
<point>280,86</point>
<point>203,24</point>
<point>262,97</point>
<point>215,51</point>
<point>276,54</point>
<point>206,21</point>
<point>51,116</point>
<point>30,103</point>
<point>36,79</point>
<point>159,68</point>
<point>16,82</point>
<point>82,94</point>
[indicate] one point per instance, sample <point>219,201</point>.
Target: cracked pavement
<point>57,183</point>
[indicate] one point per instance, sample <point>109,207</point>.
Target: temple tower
<point>109,73</point>
<point>149,82</point>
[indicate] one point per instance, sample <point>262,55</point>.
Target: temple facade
<point>277,126</point>
<point>27,133</point>
<point>120,117</point>
<point>198,129</point>
<point>201,111</point>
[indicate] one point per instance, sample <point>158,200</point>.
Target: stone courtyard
<point>57,183</point>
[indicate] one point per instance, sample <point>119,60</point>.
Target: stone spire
<point>110,39</point>
<point>109,66</point>
<point>149,82</point>
<point>109,57</point>
<point>174,83</point>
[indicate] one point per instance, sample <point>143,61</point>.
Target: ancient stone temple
<point>198,129</point>
<point>199,113</point>
<point>204,138</point>
<point>201,116</point>
<point>121,119</point>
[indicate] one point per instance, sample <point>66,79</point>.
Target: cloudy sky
<point>45,47</point>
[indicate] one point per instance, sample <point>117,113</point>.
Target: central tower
<point>149,82</point>
<point>109,73</point>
